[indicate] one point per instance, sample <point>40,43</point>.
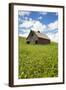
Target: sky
<point>45,22</point>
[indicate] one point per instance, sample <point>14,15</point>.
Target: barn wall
<point>32,38</point>
<point>43,41</point>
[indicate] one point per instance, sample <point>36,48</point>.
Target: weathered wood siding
<point>43,41</point>
<point>32,38</point>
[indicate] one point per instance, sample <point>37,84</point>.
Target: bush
<point>28,42</point>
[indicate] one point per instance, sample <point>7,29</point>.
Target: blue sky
<point>45,22</point>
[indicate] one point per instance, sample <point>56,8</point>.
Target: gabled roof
<point>40,35</point>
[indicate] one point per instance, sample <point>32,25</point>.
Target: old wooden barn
<point>37,38</point>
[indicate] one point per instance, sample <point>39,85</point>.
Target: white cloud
<point>31,19</point>
<point>26,24</point>
<point>43,13</point>
<point>33,24</point>
<point>53,37</point>
<point>38,26</point>
<point>22,13</point>
<point>26,18</point>
<point>40,18</point>
<point>25,33</point>
<point>19,20</point>
<point>53,25</point>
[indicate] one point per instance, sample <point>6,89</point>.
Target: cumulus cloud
<point>23,13</point>
<point>26,24</point>
<point>38,26</point>
<point>43,13</point>
<point>26,18</point>
<point>52,31</point>
<point>30,24</point>
<point>33,24</point>
<point>24,32</point>
<point>23,35</point>
<point>53,25</point>
<point>39,18</point>
<point>53,37</point>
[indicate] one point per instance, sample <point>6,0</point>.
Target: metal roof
<point>40,35</point>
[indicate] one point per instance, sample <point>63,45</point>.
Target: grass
<point>37,61</point>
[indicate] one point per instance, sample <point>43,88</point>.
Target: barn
<point>37,38</point>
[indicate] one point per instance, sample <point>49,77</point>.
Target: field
<point>37,61</point>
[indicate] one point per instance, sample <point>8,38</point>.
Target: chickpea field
<point>37,61</point>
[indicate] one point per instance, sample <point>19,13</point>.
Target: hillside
<point>37,61</point>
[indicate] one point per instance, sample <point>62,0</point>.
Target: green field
<point>37,61</point>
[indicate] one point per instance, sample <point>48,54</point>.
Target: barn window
<point>36,42</point>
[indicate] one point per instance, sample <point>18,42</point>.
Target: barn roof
<point>40,35</point>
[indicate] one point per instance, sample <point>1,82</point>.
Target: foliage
<point>37,61</point>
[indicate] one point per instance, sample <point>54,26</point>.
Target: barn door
<point>36,42</point>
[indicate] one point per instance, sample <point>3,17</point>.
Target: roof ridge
<point>40,35</point>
